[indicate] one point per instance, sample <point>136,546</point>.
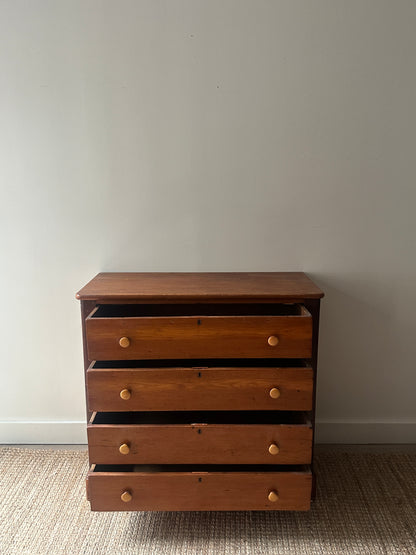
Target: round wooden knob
<point>124,449</point>
<point>273,341</point>
<point>273,496</point>
<point>274,449</point>
<point>274,393</point>
<point>124,342</point>
<point>126,496</point>
<point>125,394</point>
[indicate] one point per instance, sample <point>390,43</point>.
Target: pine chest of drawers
<point>200,390</point>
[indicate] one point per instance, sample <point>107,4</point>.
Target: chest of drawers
<point>200,390</point>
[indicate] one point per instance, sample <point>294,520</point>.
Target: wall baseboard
<point>327,431</point>
<point>365,431</point>
<point>43,432</point>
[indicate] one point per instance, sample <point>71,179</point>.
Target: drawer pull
<point>126,496</point>
<point>124,342</point>
<point>125,394</point>
<point>274,393</point>
<point>274,449</point>
<point>273,341</point>
<point>124,449</point>
<point>273,496</point>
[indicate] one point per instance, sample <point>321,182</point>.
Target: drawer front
<point>200,444</point>
<point>194,491</point>
<point>146,389</point>
<point>199,337</point>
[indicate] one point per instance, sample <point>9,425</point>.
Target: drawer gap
<point>206,417</point>
<point>201,363</point>
<point>146,310</point>
<point>152,468</point>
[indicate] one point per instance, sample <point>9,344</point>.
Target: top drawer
<point>129,332</point>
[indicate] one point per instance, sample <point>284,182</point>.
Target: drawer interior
<point>196,468</point>
<point>148,310</point>
<point>204,363</point>
<point>200,418</point>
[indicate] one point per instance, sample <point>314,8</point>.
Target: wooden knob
<point>124,449</point>
<point>124,342</point>
<point>274,393</point>
<point>273,341</point>
<point>273,496</point>
<point>126,496</point>
<point>125,394</point>
<point>274,449</point>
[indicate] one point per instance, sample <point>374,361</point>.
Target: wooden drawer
<point>129,332</point>
<point>159,386</point>
<point>200,437</point>
<point>189,489</point>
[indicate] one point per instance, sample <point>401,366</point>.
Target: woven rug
<point>366,503</point>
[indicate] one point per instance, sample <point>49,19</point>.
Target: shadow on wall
<point>360,349</point>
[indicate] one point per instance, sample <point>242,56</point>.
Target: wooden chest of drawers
<point>200,390</point>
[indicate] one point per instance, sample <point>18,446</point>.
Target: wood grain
<point>199,337</point>
<point>199,443</point>
<point>249,286</point>
<point>158,389</point>
<point>194,491</point>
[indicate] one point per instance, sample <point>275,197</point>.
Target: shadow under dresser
<point>200,390</point>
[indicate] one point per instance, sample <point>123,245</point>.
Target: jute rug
<point>366,503</point>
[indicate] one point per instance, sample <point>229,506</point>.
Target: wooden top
<point>221,286</point>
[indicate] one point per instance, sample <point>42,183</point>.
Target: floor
<point>365,505</point>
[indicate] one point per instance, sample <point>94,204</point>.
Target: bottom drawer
<point>198,488</point>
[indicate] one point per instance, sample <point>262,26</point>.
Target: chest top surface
<point>192,286</point>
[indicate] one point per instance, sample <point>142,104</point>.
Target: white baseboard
<point>43,432</point>
<point>327,431</point>
<point>365,431</point>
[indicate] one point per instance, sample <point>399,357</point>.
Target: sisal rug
<point>366,503</point>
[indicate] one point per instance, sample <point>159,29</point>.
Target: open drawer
<point>133,331</point>
<point>263,437</point>
<point>259,384</point>
<point>223,488</point>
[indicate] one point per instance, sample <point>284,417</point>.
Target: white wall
<point>210,135</point>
